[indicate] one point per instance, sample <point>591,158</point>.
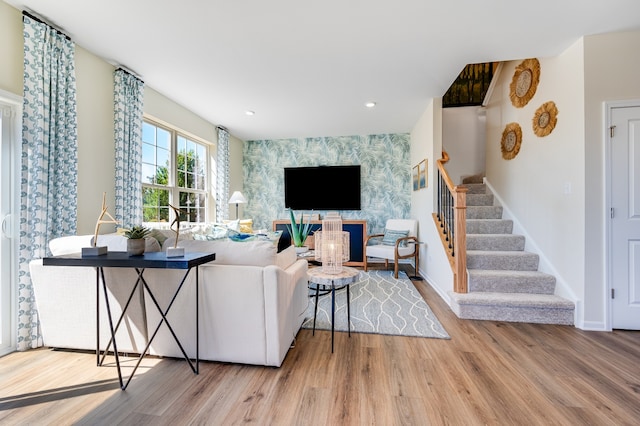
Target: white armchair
<point>399,241</point>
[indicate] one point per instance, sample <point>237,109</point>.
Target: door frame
<point>608,232</point>
<point>11,226</point>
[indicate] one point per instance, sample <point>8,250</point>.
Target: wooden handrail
<point>452,221</point>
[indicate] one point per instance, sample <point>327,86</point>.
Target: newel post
<point>460,244</point>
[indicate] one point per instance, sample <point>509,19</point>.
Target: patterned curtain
<point>222,177</point>
<point>128,103</point>
<point>49,172</point>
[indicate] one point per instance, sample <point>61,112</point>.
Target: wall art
<point>511,141</point>
<point>545,119</point>
<point>524,82</point>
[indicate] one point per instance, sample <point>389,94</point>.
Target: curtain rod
<point>42,21</point>
<point>131,73</point>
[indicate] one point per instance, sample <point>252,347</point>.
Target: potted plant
<point>299,231</point>
<point>136,239</point>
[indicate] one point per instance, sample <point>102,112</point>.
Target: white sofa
<point>252,302</point>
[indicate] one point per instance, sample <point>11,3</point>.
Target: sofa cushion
<point>253,253</point>
<point>114,242</point>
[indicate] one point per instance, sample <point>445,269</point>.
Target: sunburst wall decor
<point>545,119</point>
<point>524,82</point>
<point>511,141</point>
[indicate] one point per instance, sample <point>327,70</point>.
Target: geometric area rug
<point>380,304</point>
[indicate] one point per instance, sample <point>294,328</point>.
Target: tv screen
<point>322,188</point>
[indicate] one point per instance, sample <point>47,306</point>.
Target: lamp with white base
<point>237,198</point>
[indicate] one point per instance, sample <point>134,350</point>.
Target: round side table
<point>336,281</point>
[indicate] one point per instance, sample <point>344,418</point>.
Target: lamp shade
<point>237,198</point>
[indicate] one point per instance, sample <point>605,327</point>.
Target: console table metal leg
<point>124,310</point>
<point>197,321</point>
<point>113,335</point>
<point>98,316</point>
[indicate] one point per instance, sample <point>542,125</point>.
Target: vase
<point>135,247</point>
<point>302,249</point>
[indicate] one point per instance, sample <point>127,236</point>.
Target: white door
<point>8,129</point>
<point>625,217</point>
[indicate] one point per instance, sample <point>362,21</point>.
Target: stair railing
<point>451,218</point>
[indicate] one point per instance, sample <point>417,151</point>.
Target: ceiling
<point>307,69</point>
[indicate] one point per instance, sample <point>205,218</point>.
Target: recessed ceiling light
<point>370,104</point>
<point>248,112</point>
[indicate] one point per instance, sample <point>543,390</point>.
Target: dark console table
<point>139,263</point>
<point>357,234</point>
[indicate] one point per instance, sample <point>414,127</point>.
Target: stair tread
<point>513,299</point>
<point>508,273</point>
<point>496,253</point>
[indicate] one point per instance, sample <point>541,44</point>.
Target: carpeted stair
<point>504,281</point>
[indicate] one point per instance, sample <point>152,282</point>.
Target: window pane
<point>148,153</point>
<point>190,181</point>
<point>182,144</point>
<point>155,204</point>
<point>162,175</point>
<point>163,138</point>
<point>181,179</point>
<point>193,204</point>
<point>148,173</point>
<point>164,157</point>
<point>148,133</point>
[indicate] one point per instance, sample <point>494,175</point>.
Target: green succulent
<point>137,232</point>
<point>299,232</point>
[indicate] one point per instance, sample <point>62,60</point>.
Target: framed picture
<point>422,174</point>
<point>415,175</point>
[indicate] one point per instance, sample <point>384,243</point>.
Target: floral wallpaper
<point>385,175</point>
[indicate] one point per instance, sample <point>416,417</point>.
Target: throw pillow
<point>246,226</point>
<point>159,236</point>
<point>392,235</point>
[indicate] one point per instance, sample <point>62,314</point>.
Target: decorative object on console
<point>136,242</point>
<point>545,119</point>
<point>175,251</point>
<point>298,232</point>
<point>237,198</point>
<point>99,250</point>
<point>332,244</point>
<point>525,82</point>
<point>511,141</point>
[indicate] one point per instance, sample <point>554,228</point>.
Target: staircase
<point>504,282</point>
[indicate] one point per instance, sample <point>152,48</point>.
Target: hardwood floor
<point>488,373</point>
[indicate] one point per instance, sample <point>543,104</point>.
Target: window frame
<point>172,185</point>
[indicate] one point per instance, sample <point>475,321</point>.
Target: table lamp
<point>237,198</point>
<point>332,244</point>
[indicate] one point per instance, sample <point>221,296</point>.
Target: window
<point>174,171</point>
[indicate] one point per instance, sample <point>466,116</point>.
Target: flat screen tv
<point>322,188</point>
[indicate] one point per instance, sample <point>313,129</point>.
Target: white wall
<point>611,66</point>
<point>11,49</point>
<point>426,142</point>
<point>464,139</point>
<point>543,186</point>
<point>96,156</point>
<point>236,176</point>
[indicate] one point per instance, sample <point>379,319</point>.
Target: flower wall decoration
<point>511,141</point>
<point>545,119</point>
<point>524,82</point>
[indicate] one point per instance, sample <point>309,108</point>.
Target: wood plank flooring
<point>491,373</point>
